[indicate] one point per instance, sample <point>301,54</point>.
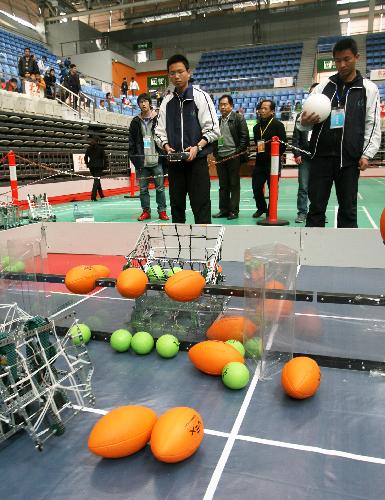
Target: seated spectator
<point>109,100</point>
<point>11,85</point>
<point>102,105</point>
<point>50,80</point>
<point>2,83</point>
<point>42,65</point>
<point>63,72</point>
<point>67,62</point>
<point>285,111</point>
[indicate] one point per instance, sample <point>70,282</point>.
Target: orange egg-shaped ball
<point>131,283</point>
<point>382,225</point>
<point>80,279</point>
<point>185,286</point>
<point>301,377</point>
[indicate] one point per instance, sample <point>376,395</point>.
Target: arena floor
<point>371,197</point>
<point>258,442</point>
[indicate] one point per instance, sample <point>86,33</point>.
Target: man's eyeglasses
<point>180,72</point>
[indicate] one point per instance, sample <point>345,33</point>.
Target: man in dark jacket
<point>72,83</point>
<point>234,139</point>
<point>187,122</point>
<point>143,153</point>
<point>27,64</point>
<point>266,128</point>
<point>50,80</point>
<point>124,87</point>
<point>96,161</point>
<point>343,144</point>
<point>301,140</point>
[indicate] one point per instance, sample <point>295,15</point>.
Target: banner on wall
<point>377,74</point>
<point>326,65</point>
<point>156,82</point>
<point>285,81</point>
<point>33,89</point>
<point>79,163</point>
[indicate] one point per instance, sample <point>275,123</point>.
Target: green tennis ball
<point>142,343</point>
<point>155,273</point>
<point>5,261</point>
<point>237,345</point>
<point>253,348</point>
<point>167,346</point>
<point>18,267</point>
<point>80,333</point>
<point>120,340</point>
<point>174,270</point>
<point>235,375</point>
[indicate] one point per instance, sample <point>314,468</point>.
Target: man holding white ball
<point>343,114</point>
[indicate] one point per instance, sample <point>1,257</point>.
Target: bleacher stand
<point>247,68</point>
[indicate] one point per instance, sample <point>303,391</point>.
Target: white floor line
<point>87,297</point>
<point>335,215</point>
<point>374,225</point>
<point>210,491</point>
<point>266,442</point>
<point>348,318</point>
<point>313,449</point>
<point>359,195</point>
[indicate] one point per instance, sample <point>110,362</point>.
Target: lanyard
<point>225,120</point>
<point>344,95</point>
<point>267,126</point>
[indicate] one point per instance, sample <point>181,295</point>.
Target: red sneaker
<point>163,216</point>
<point>145,215</point>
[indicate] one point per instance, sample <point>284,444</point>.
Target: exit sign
<point>142,46</point>
<point>326,65</point>
<point>156,82</point>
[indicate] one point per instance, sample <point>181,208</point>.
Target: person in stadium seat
<point>72,83</point>
<point>267,127</point>
<point>27,64</point>
<point>134,86</point>
<point>301,140</point>
<point>96,160</point>
<point>102,105</point>
<point>67,62</point>
<point>124,87</point>
<point>11,85</point>
<point>42,65</point>
<point>343,144</point>
<point>50,80</point>
<point>234,139</point>
<point>143,152</point>
<point>187,122</point>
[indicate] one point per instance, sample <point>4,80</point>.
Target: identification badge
<point>261,146</point>
<point>221,142</point>
<point>337,118</point>
<point>147,142</point>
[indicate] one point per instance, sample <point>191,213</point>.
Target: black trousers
<point>323,172</point>
<point>192,179</point>
<point>259,176</point>
<point>229,185</point>
<point>96,188</point>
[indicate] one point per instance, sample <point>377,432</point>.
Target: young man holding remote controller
<point>188,123</point>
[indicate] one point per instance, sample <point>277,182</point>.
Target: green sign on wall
<point>325,65</point>
<point>142,46</point>
<point>156,82</point>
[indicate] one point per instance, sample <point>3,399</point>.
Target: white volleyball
<point>319,104</point>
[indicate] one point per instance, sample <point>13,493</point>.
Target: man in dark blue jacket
<point>187,122</point>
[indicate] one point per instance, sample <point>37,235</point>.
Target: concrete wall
<point>99,64</point>
<point>72,31</point>
<point>232,30</point>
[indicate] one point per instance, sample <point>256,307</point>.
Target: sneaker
<point>145,215</point>
<point>163,216</point>
<point>301,218</point>
<point>258,213</point>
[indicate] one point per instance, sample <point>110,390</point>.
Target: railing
<point>51,165</point>
<point>81,103</point>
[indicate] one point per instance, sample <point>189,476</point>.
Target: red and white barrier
<point>272,219</point>
<point>13,177</point>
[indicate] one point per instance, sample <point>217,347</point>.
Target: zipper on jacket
<point>343,128</point>
<point>322,126</point>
